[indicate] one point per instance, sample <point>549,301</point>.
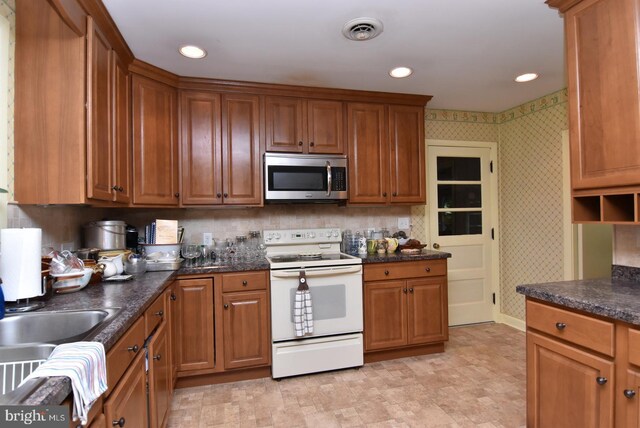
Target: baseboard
<point>512,322</point>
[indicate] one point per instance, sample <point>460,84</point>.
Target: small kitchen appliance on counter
<point>21,269</point>
<point>312,257</point>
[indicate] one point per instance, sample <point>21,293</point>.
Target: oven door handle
<point>329,178</point>
<point>318,272</point>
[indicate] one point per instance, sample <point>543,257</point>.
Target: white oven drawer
<point>317,355</point>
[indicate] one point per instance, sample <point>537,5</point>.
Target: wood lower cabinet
<point>566,386</point>
<point>194,324</point>
<point>127,403</point>
<point>407,310</point>
<point>246,329</point>
<point>160,381</point>
<point>155,142</point>
<point>298,125</point>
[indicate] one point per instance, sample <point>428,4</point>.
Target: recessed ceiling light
<point>191,51</point>
<point>400,72</point>
<point>526,77</point>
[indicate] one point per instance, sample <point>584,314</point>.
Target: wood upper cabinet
<point>194,325</point>
<point>407,155</point>
<point>155,143</point>
<point>128,401</point>
<point>567,386</point>
<point>246,336</point>
<point>160,382</point>
<point>241,150</point>
<point>368,148</point>
<point>298,125</point>
<point>121,130</point>
<point>201,148</point>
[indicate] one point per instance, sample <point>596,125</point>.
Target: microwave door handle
<point>328,178</point>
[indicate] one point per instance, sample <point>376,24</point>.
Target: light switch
<point>207,238</point>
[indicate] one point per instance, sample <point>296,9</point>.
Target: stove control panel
<point>301,236</point>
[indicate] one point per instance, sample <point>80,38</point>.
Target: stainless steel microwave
<point>300,178</point>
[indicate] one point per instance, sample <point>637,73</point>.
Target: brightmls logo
<point>34,416</point>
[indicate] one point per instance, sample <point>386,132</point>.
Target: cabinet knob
<point>115,188</point>
<point>312,144</point>
<point>119,423</point>
<point>299,143</point>
<point>411,290</point>
<point>173,296</point>
<point>121,189</point>
<point>629,393</point>
<point>159,313</point>
<point>560,326</point>
<point>386,272</point>
<point>226,306</point>
<point>601,380</point>
<point>177,195</point>
<point>394,194</point>
<point>404,290</point>
<point>133,348</point>
<point>384,194</point>
<point>427,269</point>
<point>244,283</point>
<point>157,357</point>
<point>226,195</point>
<point>218,195</point>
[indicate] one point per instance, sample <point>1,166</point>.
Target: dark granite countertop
<point>614,298</point>
<point>401,257</point>
<point>261,264</point>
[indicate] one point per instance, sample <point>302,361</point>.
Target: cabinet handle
<point>411,290</point>
<point>177,195</point>
<point>119,423</point>
<point>629,393</point>
<point>218,195</point>
<point>394,194</point>
<point>299,143</point>
<point>386,272</point>
<point>121,189</point>
<point>384,194</point>
<point>427,269</point>
<point>115,188</point>
<point>601,380</point>
<point>159,313</point>
<point>133,348</point>
<point>312,144</point>
<point>173,297</point>
<point>226,306</point>
<point>404,290</point>
<point>157,357</point>
<point>244,283</point>
<point>560,326</point>
<point>226,195</point>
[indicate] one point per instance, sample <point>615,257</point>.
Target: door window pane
<point>460,223</point>
<point>459,196</point>
<point>458,169</point>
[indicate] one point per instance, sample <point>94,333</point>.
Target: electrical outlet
<point>207,238</point>
<point>404,223</point>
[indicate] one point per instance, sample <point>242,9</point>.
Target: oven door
<point>336,295</point>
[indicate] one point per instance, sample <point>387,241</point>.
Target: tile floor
<point>478,382</point>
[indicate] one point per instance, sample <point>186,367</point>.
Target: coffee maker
<point>21,269</point>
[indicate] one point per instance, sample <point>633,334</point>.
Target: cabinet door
<point>385,315</point>
<point>427,310</point>
<point>325,132</point>
<point>368,153</point>
<point>563,388</point>
<point>121,127</point>
<point>201,148</point>
<point>173,320</point>
<point>246,329</point>
<point>602,66</point>
<point>407,163</point>
<point>155,143</point>
<point>194,333</point>
<point>241,163</point>
<point>159,377</point>
<point>630,396</point>
<point>128,401</point>
<point>100,148</point>
<point>283,125</point>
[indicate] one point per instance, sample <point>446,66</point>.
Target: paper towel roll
<point>20,267</point>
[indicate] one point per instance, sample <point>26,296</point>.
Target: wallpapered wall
<point>529,140</point>
<point>7,11</point>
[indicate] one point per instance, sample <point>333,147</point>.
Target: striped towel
<point>84,363</point>
<point>303,308</point>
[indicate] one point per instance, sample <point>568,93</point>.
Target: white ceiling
<point>464,52</point>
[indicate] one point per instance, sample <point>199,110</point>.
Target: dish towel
<point>303,308</point>
<point>84,363</point>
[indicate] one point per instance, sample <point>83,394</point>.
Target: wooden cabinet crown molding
<point>562,5</point>
<point>152,72</point>
<point>103,19</point>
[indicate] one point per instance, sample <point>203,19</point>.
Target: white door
<point>460,213</point>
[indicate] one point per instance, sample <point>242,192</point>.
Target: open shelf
<point>619,208</point>
<point>586,208</point>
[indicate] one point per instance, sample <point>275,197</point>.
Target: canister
<point>106,235</point>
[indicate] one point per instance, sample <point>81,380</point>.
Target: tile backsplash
<point>63,224</point>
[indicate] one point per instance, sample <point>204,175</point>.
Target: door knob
<point>436,245</point>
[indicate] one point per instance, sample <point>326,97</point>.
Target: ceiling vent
<point>361,29</point>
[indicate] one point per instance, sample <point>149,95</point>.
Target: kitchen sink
<point>52,327</point>
<point>16,363</point>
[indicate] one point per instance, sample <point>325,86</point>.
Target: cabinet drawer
<point>634,346</point>
<point>123,352</point>
<point>154,315</point>
<point>400,270</point>
<point>244,281</point>
<point>580,329</point>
